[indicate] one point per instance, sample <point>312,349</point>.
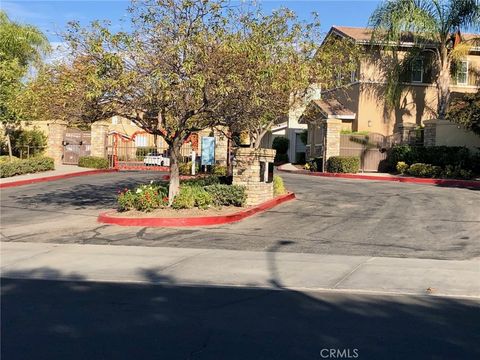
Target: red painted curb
<point>444,182</point>
<point>106,218</point>
<point>53,178</point>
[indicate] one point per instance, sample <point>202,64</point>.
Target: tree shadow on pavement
<point>82,196</point>
<point>160,319</point>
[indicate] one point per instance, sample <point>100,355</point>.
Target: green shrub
<point>219,170</point>
<point>343,164</point>
<point>434,155</point>
<point>281,158</point>
<point>402,167</point>
<point>27,166</point>
<point>6,159</point>
<point>456,172</point>
<point>424,170</point>
<point>185,168</point>
<point>278,186</point>
<point>192,196</point>
<point>203,181</point>
<point>93,162</point>
<point>227,195</point>
<point>281,144</point>
<point>145,197</point>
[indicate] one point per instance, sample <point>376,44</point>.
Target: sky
<point>52,16</point>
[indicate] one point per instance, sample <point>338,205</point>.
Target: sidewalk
<point>180,266</point>
<point>59,170</point>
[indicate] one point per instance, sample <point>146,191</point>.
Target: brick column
<point>246,172</point>
<point>430,133</point>
<point>332,129</point>
<point>56,133</point>
<point>221,148</point>
<point>404,132</point>
<point>99,139</point>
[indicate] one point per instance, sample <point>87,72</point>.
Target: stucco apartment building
<point>361,105</point>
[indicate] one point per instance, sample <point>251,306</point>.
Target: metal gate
<point>141,151</point>
<point>371,148</point>
<point>76,143</point>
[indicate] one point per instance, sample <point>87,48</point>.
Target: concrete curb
<point>107,217</point>
<point>54,178</point>
<point>442,182</point>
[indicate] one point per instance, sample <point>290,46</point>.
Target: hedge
<point>434,155</point>
<point>281,145</point>
<point>433,171</point>
<point>28,166</point>
<point>93,162</point>
<point>227,195</point>
<point>343,164</point>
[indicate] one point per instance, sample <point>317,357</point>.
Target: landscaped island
<point>201,196</point>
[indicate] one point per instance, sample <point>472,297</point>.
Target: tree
<point>167,75</point>
<point>184,66</point>
<point>276,59</point>
<point>434,26</point>
<point>466,112</point>
<point>21,46</point>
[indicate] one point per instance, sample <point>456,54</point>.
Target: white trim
<point>342,117</point>
<point>280,126</point>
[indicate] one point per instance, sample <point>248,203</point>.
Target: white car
<point>156,160</point>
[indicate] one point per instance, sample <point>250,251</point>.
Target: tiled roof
<point>332,107</point>
<point>365,34</point>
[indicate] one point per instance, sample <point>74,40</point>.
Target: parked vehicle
<point>155,159</point>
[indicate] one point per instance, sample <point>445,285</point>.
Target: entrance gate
<point>141,151</point>
<point>76,143</point>
<point>371,148</point>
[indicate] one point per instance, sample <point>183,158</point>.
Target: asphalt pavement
<point>330,216</point>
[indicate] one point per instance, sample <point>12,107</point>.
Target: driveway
<point>330,216</point>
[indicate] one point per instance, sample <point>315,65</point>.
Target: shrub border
<point>108,218</point>
<point>404,179</point>
<point>54,178</point>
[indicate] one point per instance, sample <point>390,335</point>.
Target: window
<point>115,120</point>
<point>417,70</point>
<point>353,76</point>
<point>462,73</point>
<point>141,140</point>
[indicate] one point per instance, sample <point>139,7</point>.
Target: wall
<point>450,134</point>
<point>418,101</point>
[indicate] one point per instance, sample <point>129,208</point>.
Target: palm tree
<point>432,25</point>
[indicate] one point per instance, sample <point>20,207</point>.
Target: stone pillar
<point>430,133</point>
<point>56,133</point>
<point>99,139</point>
<point>221,147</point>
<point>247,171</point>
<point>404,132</point>
<point>332,129</point>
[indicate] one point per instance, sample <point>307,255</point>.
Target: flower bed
<point>202,193</point>
<point>203,200</point>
